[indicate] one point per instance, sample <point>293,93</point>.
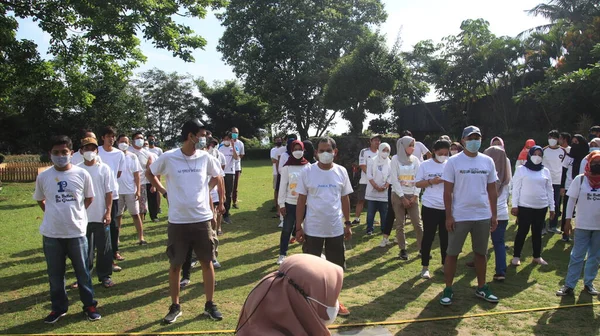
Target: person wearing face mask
<point>594,145</point>
<point>298,299</point>
<point>571,168</point>
<point>231,158</point>
<point>365,156</point>
<point>429,178</point>
<point>99,212</point>
<point>533,195</point>
<point>552,159</point>
<point>456,148</point>
<point>77,156</point>
<point>585,195</point>
<point>274,152</point>
<point>282,157</point>
<point>239,147</point>
<point>152,145</point>
<point>288,197</point>
<point>309,151</point>
<point>420,150</point>
<point>64,192</point>
<point>323,200</point>
<point>470,200</point>
<point>145,158</point>
<point>378,176</point>
<point>522,158</point>
<point>405,194</point>
<point>130,189</point>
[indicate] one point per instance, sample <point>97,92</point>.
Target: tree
<point>381,126</point>
<point>563,12</point>
<point>284,51</point>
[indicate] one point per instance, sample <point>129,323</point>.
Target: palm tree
<point>568,12</point>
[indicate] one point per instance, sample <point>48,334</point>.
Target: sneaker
<point>516,261</point>
<point>369,232</point>
<point>142,242</point>
<point>107,283</point>
<point>195,263</point>
<point>184,283</point>
<point>156,220</point>
<point>566,238</point>
<point>53,317</point>
<point>227,220</point>
<point>403,255</point>
<point>343,310</point>
<point>116,268</point>
<point>425,274</point>
<point>219,233</point>
<point>470,264</point>
<point>159,210</point>
<point>384,242</point>
<point>540,261</point>
<point>447,295</point>
<point>499,277</point>
<point>174,313</point>
<point>92,314</point>
<point>485,293</point>
<point>356,221</point>
<point>235,206</point>
<point>280,259</point>
<point>280,224</point>
<point>564,291</point>
<point>554,230</point>
<point>210,310</point>
<point>544,231</point>
<point>216,264</point>
<point>591,290</point>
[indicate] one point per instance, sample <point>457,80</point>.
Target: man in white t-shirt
<point>420,149</point>
<point>63,192</point>
<point>115,159</point>
<point>323,195</point>
<point>553,157</point>
<point>564,141</point>
<point>365,156</point>
<point>77,156</point>
<point>152,142</point>
<point>274,157</point>
<point>145,157</point>
<point>231,158</point>
<point>239,147</point>
<point>191,173</point>
<point>470,200</point>
<point>99,213</point>
<point>130,188</point>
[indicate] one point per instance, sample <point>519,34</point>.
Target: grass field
<point>377,286</point>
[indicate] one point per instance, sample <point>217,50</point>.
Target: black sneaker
<point>564,291</point>
<point>92,314</point>
<point>235,206</point>
<point>591,290</point>
<point>142,242</point>
<point>356,221</point>
<point>53,317</point>
<point>210,310</point>
<point>403,255</point>
<point>174,313</point>
<point>227,220</point>
<point>499,277</point>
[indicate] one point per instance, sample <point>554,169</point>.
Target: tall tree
<point>284,50</point>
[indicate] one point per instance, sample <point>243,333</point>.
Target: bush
<point>255,143</point>
<point>2,157</point>
<point>22,158</point>
<point>258,154</point>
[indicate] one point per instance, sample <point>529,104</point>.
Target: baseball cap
<point>470,130</point>
<point>88,141</point>
<point>376,136</point>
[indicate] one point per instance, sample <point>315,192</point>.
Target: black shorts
<point>182,237</point>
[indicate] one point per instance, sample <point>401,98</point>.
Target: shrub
<point>258,154</point>
<point>2,157</point>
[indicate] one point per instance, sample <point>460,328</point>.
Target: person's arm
<point>300,211</point>
<point>416,190</point>
<point>397,187</point>
<point>157,167</point>
<point>550,195</point>
<point>120,165</point>
<point>516,191</point>
<point>448,190</point>
<point>236,156</point>
<point>283,185</point>
<point>371,179</point>
<point>87,202</point>
<point>242,150</point>
<point>362,161</point>
<point>108,201</point>
<point>493,198</point>
<point>573,194</point>
<point>38,194</point>
<point>42,205</point>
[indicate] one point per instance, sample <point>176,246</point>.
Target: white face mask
<point>123,146</point>
<point>552,142</point>
<point>384,155</point>
<point>332,312</point>
<point>441,158</point>
<point>325,158</point>
<point>139,142</point>
<point>298,154</point>
<point>536,159</point>
<point>226,143</point>
<point>453,152</point>
<point>89,156</point>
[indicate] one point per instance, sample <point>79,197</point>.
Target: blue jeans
<point>586,241</point>
<point>56,250</point>
<point>289,227</point>
<point>500,247</point>
<point>373,207</point>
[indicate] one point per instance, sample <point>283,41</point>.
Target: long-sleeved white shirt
<point>287,186</point>
<point>532,189</point>
<point>403,178</point>
<point>379,172</point>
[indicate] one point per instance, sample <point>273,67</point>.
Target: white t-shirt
<point>64,192</point>
<point>220,159</point>
<point>275,156</point>
<point>552,160</point>
<point>379,172</point>
<point>102,178</point>
<point>588,204</point>
<point>471,177</point>
<point>289,182</point>
<point>402,178</point>
<point>420,150</point>
<point>283,159</point>
<point>239,146</point>
<point>143,156</point>
<point>583,164</point>
<point>324,190</point>
<point>115,159</point>
<point>230,162</point>
<point>532,189</point>
<point>187,180</point>
<point>77,158</point>
<point>156,150</point>
<point>433,196</point>
<point>126,181</point>
<point>364,158</point>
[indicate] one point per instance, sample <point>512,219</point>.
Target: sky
<point>413,20</point>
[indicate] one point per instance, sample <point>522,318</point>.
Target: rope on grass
<point>333,327</point>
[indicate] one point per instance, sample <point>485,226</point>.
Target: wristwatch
<point>348,223</point>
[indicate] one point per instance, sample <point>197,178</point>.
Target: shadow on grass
<point>551,322</point>
<point>9,207</point>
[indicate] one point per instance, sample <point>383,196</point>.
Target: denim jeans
<point>586,241</point>
<point>374,207</point>
<point>500,247</point>
<point>56,250</point>
<point>553,224</point>
<point>98,237</point>
<point>289,227</point>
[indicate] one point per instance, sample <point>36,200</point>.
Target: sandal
<point>107,283</point>
<point>75,285</point>
<point>118,257</point>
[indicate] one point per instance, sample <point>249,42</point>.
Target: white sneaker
<point>516,262</point>
<point>425,274</point>
<point>280,224</point>
<point>216,264</point>
<point>395,240</point>
<point>280,259</point>
<point>384,242</point>
<point>540,261</point>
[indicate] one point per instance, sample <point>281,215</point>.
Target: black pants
<point>152,198</point>
<point>557,200</point>
<point>234,192</point>
<point>432,220</point>
<point>186,268</point>
<point>534,219</point>
<point>334,248</point>
<point>229,181</point>
<point>391,216</point>
<point>564,213</point>
<point>114,229</point>
<point>99,239</point>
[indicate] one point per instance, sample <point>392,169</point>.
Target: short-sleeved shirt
<point>156,150</point>
<point>230,162</point>
<point>239,147</point>
<point>187,180</point>
<point>420,150</point>
<point>143,156</point>
<point>364,158</point>
<point>588,203</point>
<point>102,178</point>
<point>64,192</point>
<point>127,181</point>
<point>275,156</point>
<point>552,160</point>
<point>433,196</point>
<point>470,176</point>
<point>115,159</point>
<point>324,190</point>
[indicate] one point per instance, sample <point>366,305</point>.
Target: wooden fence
<point>22,171</point>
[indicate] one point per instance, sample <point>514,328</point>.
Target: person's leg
<point>400,218</point>
<point>313,245</point>
<point>500,247</point>
<point>55,252</point>
<point>236,182</point>
<point>204,245</point>
<point>104,252</point>
<point>382,207</point>
<point>415,219</point>
<point>186,268</point>
<point>525,218</point>
<point>114,229</point>
<point>90,236</point>
<point>77,249</point>
<point>229,179</point>
<point>152,202</point>
<point>390,218</point>
<point>275,192</point>
<point>537,224</point>
<point>429,230</point>
<point>174,271</point>
<point>456,240</point>
<point>557,202</point>
<point>581,245</point>
<point>480,236</point>
<point>143,205</point>
<point>133,206</point>
<point>179,238</point>
<point>371,209</point>
<point>139,227</point>
<point>564,216</point>
<point>591,265</point>
<point>335,251</point>
<point>443,234</point>
<point>362,189</point>
<point>208,276</point>
<point>289,227</point>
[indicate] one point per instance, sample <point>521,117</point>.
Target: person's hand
<point>568,227</point>
<point>221,209</point>
<point>153,189</point>
<point>552,214</point>
<point>282,211</point>
<point>437,180</point>
<point>348,232</point>
<point>137,195</point>
<point>405,203</point>
<point>450,224</point>
<point>106,219</point>
<point>494,224</point>
<point>414,200</point>
<point>562,191</point>
<point>300,236</point>
<point>514,211</point>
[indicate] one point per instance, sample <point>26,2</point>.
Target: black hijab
<point>578,152</point>
<point>309,151</point>
<point>530,165</point>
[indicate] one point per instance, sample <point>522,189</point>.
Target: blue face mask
<point>60,161</point>
<point>473,145</point>
<point>234,136</point>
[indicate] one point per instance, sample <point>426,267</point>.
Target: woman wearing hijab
<point>571,167</point>
<point>594,145</point>
<point>584,194</point>
<point>288,198</point>
<point>378,174</point>
<point>456,148</point>
<point>299,299</point>
<point>497,141</point>
<point>405,196</point>
<point>309,151</point>
<point>522,159</point>
<point>533,195</point>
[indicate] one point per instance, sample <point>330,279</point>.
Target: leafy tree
<point>381,126</point>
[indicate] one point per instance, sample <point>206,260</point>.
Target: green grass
<point>377,286</point>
